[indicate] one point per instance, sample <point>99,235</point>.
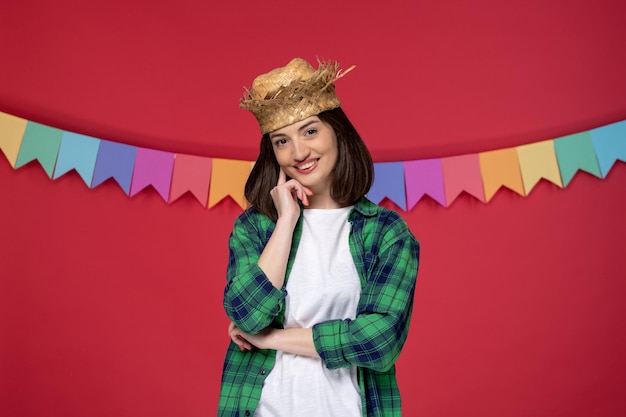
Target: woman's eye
<point>311,132</point>
<point>280,142</point>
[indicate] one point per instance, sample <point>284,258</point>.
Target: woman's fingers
<point>242,343</point>
<point>282,177</point>
<point>235,334</point>
<point>286,194</point>
<point>302,195</point>
<point>301,191</point>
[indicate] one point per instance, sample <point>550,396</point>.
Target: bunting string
<point>405,183</point>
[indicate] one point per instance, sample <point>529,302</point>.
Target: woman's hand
<point>237,336</point>
<point>286,195</point>
<point>246,341</point>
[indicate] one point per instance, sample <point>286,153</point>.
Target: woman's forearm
<point>298,341</point>
<point>273,259</point>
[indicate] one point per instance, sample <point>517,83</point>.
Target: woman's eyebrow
<point>300,129</point>
<point>305,126</point>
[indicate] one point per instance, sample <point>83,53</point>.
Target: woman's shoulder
<point>382,221</point>
<point>368,209</point>
<point>253,218</point>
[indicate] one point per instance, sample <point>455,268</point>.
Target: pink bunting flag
<point>193,174</point>
<point>154,168</point>
<point>462,173</point>
<point>424,177</point>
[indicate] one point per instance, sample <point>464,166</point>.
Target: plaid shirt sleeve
<point>373,340</point>
<point>250,299</point>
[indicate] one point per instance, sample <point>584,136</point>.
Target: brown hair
<point>352,175</point>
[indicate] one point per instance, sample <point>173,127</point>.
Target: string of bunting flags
<point>405,183</point>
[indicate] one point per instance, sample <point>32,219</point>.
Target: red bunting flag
<point>193,174</point>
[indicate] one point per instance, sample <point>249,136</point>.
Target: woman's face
<point>307,152</point>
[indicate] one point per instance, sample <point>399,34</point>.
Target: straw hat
<point>292,93</point>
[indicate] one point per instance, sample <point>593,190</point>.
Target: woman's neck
<point>322,201</point>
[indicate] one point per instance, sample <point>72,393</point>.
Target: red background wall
<point>111,306</point>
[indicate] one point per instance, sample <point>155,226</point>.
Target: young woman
<point>320,280</point>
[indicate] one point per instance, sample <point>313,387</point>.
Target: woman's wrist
<point>298,341</point>
<point>288,222</point>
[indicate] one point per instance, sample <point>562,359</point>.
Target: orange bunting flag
<point>500,168</point>
<point>228,178</point>
<point>193,174</point>
<point>11,134</point>
<point>462,173</point>
<point>537,161</point>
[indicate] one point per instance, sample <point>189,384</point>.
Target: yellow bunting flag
<point>500,168</point>
<point>537,161</point>
<point>12,130</point>
<point>228,178</point>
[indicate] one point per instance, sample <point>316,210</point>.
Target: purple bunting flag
<point>117,161</point>
<point>388,182</point>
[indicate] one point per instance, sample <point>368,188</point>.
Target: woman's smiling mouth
<point>306,166</point>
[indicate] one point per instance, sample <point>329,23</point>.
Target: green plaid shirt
<point>386,257</point>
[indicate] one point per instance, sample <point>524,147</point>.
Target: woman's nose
<point>300,151</point>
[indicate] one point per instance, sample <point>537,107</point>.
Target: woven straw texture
<point>292,93</point>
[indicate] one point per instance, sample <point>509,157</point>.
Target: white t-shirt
<point>323,285</point>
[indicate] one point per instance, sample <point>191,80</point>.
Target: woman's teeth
<point>306,166</point>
